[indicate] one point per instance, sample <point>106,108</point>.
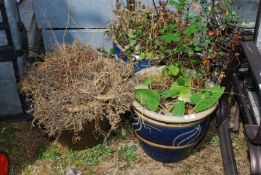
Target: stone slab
<point>3,39</point>
<point>27,14</point>
<point>10,104</point>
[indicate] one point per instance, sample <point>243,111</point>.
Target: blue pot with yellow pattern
<point>167,138</point>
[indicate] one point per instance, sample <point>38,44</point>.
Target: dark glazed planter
<point>166,142</point>
<point>88,136</point>
<point>167,138</point>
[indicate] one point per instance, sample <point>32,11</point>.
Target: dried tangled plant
<point>74,85</point>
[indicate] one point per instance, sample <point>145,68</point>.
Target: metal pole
<point>13,19</point>
<point>12,15</point>
<point>257,25</point>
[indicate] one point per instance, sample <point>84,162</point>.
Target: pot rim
<point>166,118</point>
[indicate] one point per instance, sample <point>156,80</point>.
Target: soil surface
<point>32,153</point>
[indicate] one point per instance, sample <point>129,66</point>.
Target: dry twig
<point>74,86</point>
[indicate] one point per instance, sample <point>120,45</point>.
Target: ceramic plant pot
<point>167,138</point>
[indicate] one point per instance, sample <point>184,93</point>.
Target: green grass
<point>51,154</point>
<point>128,153</point>
<point>43,153</point>
<point>234,137</point>
<point>90,156</point>
<point>212,139</point>
<point>39,156</point>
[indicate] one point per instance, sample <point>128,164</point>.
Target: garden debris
<point>74,86</point>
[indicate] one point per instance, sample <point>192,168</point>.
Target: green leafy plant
<point>224,35</point>
<point>176,92</point>
<point>161,33</point>
<point>206,98</point>
<point>200,34</point>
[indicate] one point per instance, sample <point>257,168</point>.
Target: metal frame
<point>242,82</point>
<point>8,50</point>
<point>252,129</point>
<point>222,123</point>
<point>13,51</point>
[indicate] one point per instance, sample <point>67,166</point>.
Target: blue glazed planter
<point>167,138</point>
<point>167,142</point>
<point>141,64</point>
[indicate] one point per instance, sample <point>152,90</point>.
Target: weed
<point>234,137</point>
<point>215,140</point>
<point>128,153</point>
<point>212,139</point>
<point>50,154</point>
<point>42,148</point>
<point>90,156</point>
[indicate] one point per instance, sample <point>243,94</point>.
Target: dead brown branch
<point>74,85</point>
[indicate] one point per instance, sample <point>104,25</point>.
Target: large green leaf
<point>183,81</point>
<point>170,37</point>
<point>168,93</point>
<point>172,27</point>
<point>148,98</point>
<point>131,33</point>
<point>165,71</point>
<point>170,70</point>
<point>173,70</point>
<point>179,4</point>
<point>181,89</point>
<point>148,81</point>
<point>206,98</point>
<point>181,85</point>
<point>193,27</point>
<point>178,108</point>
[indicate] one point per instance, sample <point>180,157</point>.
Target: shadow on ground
<point>23,143</point>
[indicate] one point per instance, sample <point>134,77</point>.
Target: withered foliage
<point>74,85</point>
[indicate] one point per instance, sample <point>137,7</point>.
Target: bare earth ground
<point>31,153</point>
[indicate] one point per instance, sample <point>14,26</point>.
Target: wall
<point>81,20</point>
